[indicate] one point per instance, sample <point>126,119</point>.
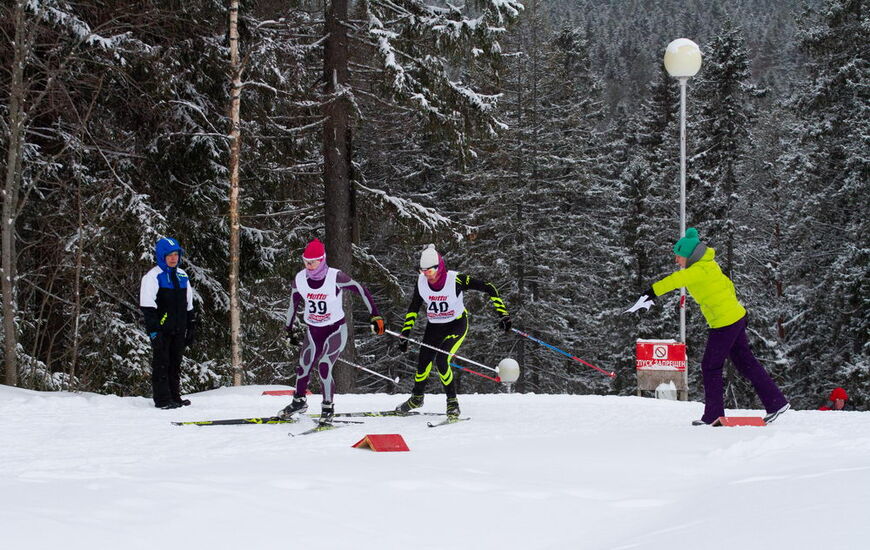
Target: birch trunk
<point>235,153</point>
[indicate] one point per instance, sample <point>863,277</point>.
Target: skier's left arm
<point>344,282</point>
<point>190,329</point>
<point>464,282</point>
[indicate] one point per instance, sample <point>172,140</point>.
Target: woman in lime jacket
<point>726,317</point>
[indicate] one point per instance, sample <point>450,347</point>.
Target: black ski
<point>235,421</point>
<point>447,421</point>
<point>254,420</point>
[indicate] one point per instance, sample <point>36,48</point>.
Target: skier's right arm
<point>413,309</point>
<point>410,319</point>
<point>148,304</point>
<point>295,301</point>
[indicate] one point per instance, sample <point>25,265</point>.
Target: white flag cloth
<point>643,302</point>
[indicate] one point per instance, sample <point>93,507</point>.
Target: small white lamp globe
<point>508,370</point>
<point>682,58</point>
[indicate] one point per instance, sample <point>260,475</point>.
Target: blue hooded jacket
<point>164,247</point>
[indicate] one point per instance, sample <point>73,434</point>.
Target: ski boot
<point>413,402</point>
<point>327,412</point>
<point>298,405</point>
<point>452,407</point>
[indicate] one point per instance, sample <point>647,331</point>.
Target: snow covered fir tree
<point>536,142</point>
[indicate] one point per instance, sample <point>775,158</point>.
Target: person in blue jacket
<point>166,300</point>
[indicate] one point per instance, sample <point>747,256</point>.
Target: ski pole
<point>346,362</point>
<point>466,369</point>
<point>397,335</point>
<point>566,354</point>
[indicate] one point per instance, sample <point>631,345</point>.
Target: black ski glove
<point>505,324</point>
<point>403,343</point>
<point>291,337</point>
<point>190,336</point>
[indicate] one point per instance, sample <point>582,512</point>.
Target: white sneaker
<point>774,415</point>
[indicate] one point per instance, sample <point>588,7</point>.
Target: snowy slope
<point>84,471</point>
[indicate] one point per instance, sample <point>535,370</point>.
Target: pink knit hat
<point>314,251</point>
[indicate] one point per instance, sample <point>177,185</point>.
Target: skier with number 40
<point>319,288</point>
<point>441,292</point>
<point>726,317</point>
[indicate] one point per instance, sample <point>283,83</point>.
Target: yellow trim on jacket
<point>713,291</point>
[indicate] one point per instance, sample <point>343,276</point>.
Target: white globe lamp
<point>682,58</point>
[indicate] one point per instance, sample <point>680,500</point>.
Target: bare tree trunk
<point>235,153</point>
<point>339,199</point>
<point>77,294</point>
<point>8,262</point>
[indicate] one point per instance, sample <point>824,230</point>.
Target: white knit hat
<point>429,257</point>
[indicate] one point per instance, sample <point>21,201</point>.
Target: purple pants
<point>731,342</point>
<point>322,347</point>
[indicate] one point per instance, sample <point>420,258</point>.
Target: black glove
<point>403,343</point>
<point>291,337</point>
<point>377,325</point>
<point>190,336</point>
<point>505,324</point>
<point>651,295</point>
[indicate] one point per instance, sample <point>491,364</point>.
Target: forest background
<point>536,143</point>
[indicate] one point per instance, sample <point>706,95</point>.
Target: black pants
<point>168,350</point>
<point>447,337</point>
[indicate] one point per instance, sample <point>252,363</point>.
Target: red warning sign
<point>661,355</point>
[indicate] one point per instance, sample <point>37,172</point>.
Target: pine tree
<point>720,130</point>
<point>828,176</point>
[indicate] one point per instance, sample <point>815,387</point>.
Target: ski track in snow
<point>84,471</point>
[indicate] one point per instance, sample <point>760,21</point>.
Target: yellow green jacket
<point>713,291</point>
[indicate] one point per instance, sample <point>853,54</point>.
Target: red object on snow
<point>382,443</point>
<point>739,421</point>
<point>284,392</point>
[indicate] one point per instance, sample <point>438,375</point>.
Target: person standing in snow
<point>166,300</point>
<point>319,288</point>
<point>441,291</point>
<point>726,317</point>
<point>836,401</point>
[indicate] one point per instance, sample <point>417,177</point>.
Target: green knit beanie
<point>687,244</point>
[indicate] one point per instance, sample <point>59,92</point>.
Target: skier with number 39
<point>726,317</point>
<point>319,288</point>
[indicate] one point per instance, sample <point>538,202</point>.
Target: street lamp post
<point>682,61</point>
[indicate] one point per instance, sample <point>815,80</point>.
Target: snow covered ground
<point>84,471</point>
